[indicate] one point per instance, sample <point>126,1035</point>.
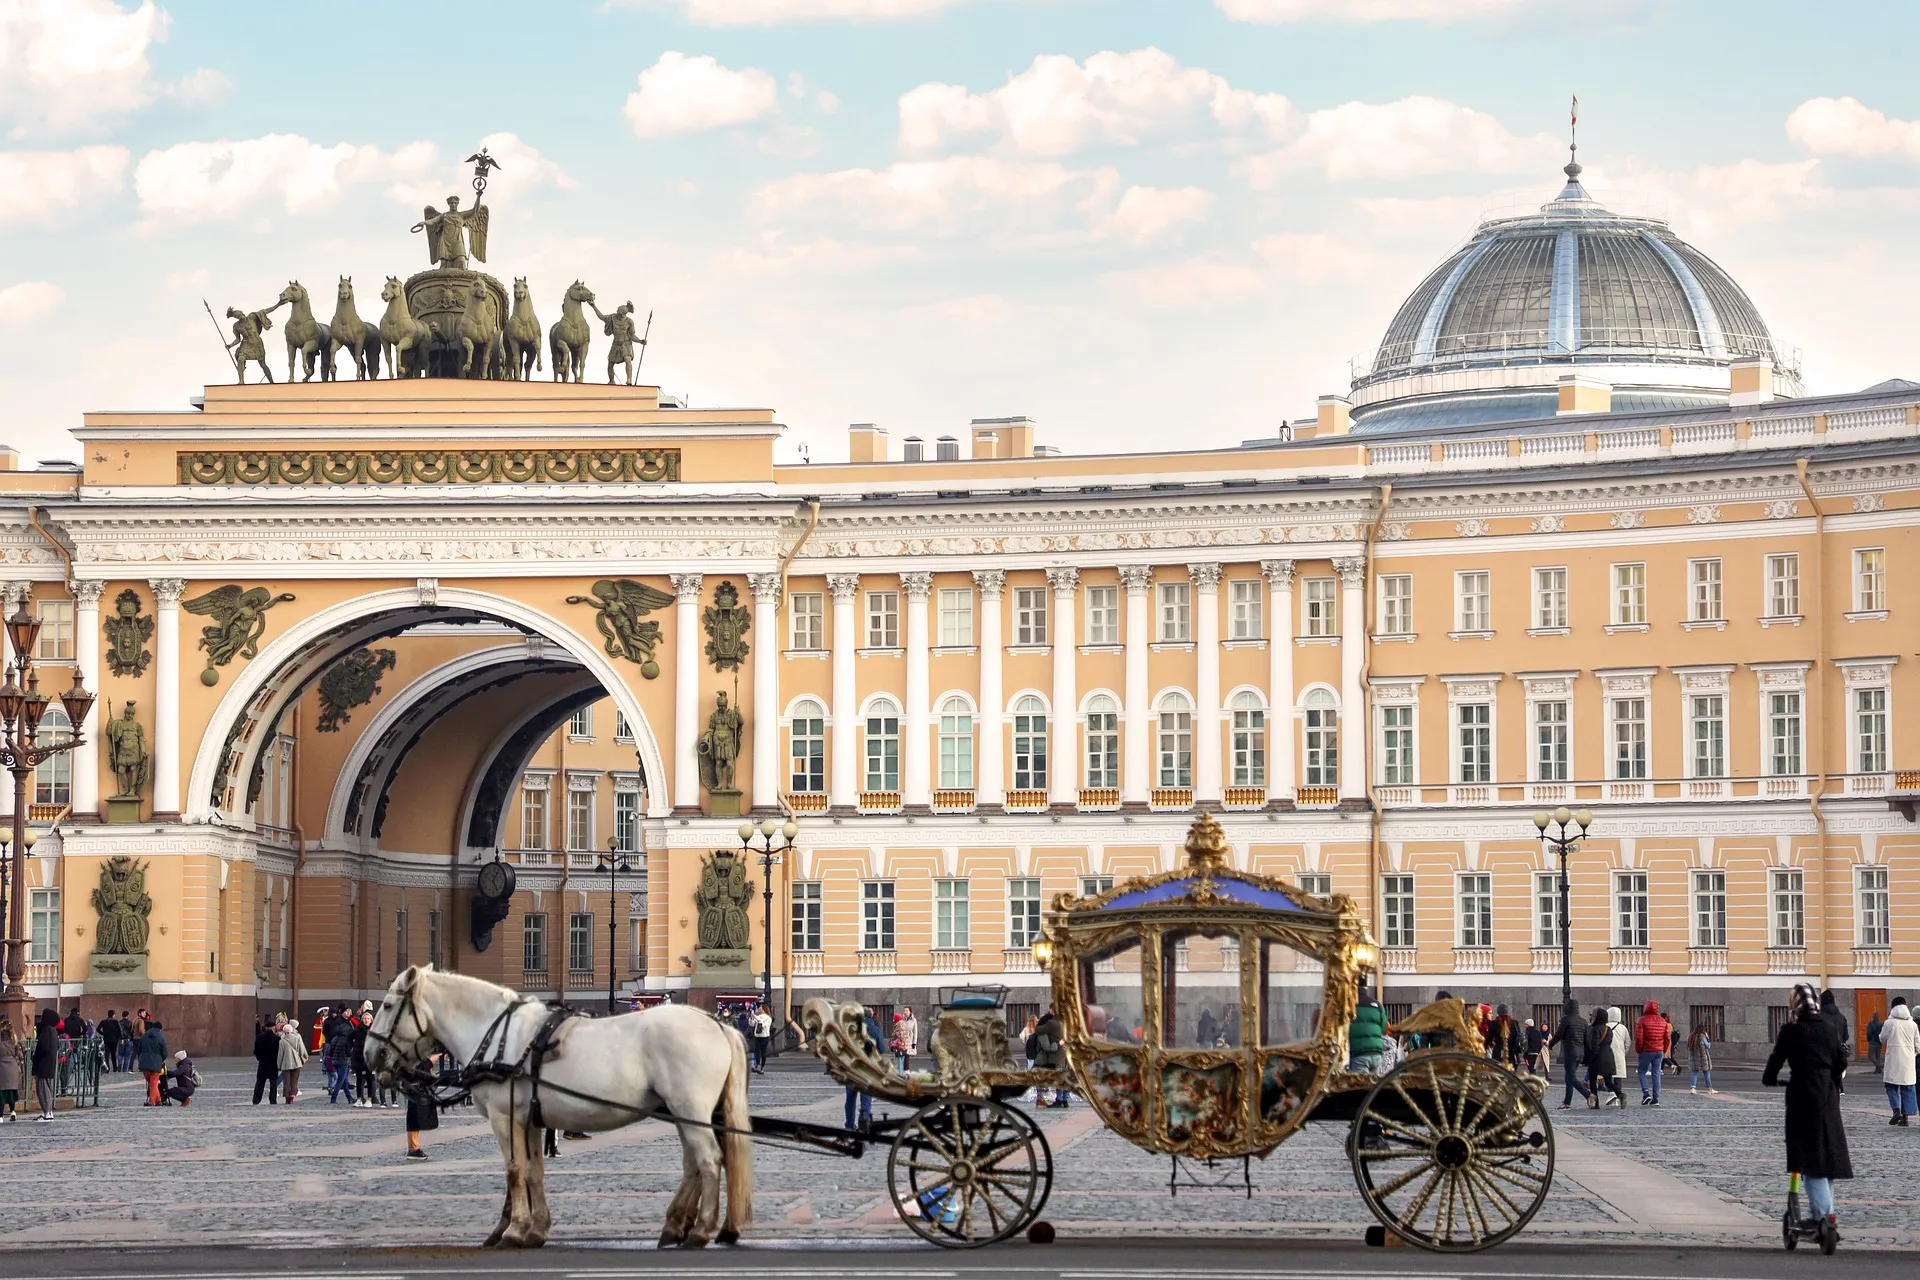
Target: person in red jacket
<point>1652,1038</point>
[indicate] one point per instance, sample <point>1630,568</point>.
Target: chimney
<point>1335,416</point>
<point>866,443</point>
<point>986,443</point>
<point>946,449</point>
<point>1002,437</point>
<point>1581,394</point>
<point>1751,381</point>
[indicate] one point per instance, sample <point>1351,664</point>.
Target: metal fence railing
<point>76,1073</point>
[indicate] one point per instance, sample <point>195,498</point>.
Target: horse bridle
<point>411,1061</point>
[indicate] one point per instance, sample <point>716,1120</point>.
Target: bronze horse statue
<point>356,335</point>
<point>570,334</point>
<point>523,334</point>
<point>307,339</point>
<point>404,339</point>
<point>479,335</point>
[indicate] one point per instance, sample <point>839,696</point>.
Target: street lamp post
<point>1568,830</point>
<point>769,855</point>
<point>22,706</point>
<point>612,863</point>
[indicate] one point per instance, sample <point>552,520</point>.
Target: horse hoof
<point>694,1242</point>
<point>727,1237</point>
<point>668,1240</point>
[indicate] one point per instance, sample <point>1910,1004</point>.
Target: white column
<point>1281,729</point>
<point>166,694</point>
<point>86,659</point>
<point>1206,684</point>
<point>916,783</point>
<point>1355,734</point>
<point>766,691</point>
<point>843,777</point>
<point>1063,772</point>
<point>991,784</point>
<point>686,691</point>
<point>1137,716</point>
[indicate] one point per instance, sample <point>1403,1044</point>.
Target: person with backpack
<point>1652,1038</point>
<point>1812,1047</point>
<point>1367,1035</point>
<point>180,1081</point>
<point>1050,1053</point>
<point>1570,1037</point>
<point>127,1041</point>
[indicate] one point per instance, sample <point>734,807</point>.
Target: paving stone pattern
<point>225,1170</point>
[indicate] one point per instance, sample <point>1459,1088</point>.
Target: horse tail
<point>737,1145</point>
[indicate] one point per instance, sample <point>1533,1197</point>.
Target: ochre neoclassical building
<point>1574,537</point>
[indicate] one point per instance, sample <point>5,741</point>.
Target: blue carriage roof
<point>1225,888</point>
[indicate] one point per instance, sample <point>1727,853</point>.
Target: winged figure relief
<point>621,605</point>
<point>239,620</point>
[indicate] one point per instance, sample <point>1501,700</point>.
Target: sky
<point>1146,224</point>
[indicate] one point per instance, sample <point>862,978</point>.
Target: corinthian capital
<point>991,582</point>
<point>1352,570</point>
<point>916,584</point>
<point>86,592</point>
<point>1205,576</point>
<point>1279,573</point>
<point>167,591</point>
<point>1063,580</point>
<point>845,586</point>
<point>1136,577</point>
<point>686,586</point>
<point>766,587</point>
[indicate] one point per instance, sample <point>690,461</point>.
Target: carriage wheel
<point>965,1172</point>
<point>1452,1152</point>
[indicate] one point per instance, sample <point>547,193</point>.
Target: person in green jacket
<point>1367,1035</point>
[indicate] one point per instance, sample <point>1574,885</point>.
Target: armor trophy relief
<point>721,957</point>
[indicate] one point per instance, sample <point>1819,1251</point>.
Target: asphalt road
<point>1115,1260</point>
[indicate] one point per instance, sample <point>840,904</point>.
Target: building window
<point>1476,909</point>
<point>952,929</point>
<point>1630,738</point>
<point>883,619</point>
<point>1103,615</point>
<point>1396,746</point>
<point>876,915</point>
<point>400,961</point>
<point>1789,908</point>
<point>1552,745</point>
<point>1318,616</point>
<point>1245,609</point>
<point>1030,745</point>
<point>1475,722</point>
<point>580,806</point>
<point>1870,579</point>
<point>808,611</point>
<point>956,617</point>
<point>433,937</point>
<point>1029,615</point>
<point>533,818</point>
<point>1546,909</point>
<point>1710,909</point>
<point>1249,740</point>
<point>581,725</point>
<point>1473,600</point>
<point>1550,599</point>
<point>1630,908</point>
<point>1704,597</point>
<point>1023,912</point>
<point>626,822</point>
<point>1103,742</point>
<point>1873,924</point>
<point>1091,885</point>
<point>806,915</point>
<point>1176,741</point>
<point>1396,910</point>
<point>1708,712</point>
<point>883,747</point>
<point>622,731</point>
<point>1318,883</point>
<point>43,926</point>
<point>1320,727</point>
<point>1869,730</point>
<point>956,746</point>
<point>53,777</point>
<point>1396,604</point>
<point>1783,586</point>
<point>1629,595</point>
<point>533,942</point>
<point>1175,612</point>
<point>56,631</point>
<point>807,748</point>
<point>1783,734</point>
<point>636,944</point>
<point>580,942</point>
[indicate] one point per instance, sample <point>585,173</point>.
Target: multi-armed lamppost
<point>769,855</point>
<point>22,706</point>
<point>1568,830</point>
<point>612,863</point>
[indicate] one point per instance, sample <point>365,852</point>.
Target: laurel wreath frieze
<point>429,466</point>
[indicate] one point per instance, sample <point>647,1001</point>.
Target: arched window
<point>1321,723</point>
<point>1103,742</point>
<point>1249,740</point>
<point>883,746</point>
<point>1030,745</point>
<point>53,777</point>
<point>1176,741</point>
<point>956,745</point>
<point>808,750</point>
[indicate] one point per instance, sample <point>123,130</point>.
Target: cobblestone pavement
<point>1696,1170</point>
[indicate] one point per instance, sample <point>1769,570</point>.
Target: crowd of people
<point>282,1050</point>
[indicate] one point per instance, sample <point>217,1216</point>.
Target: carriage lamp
<point>1365,955</point>
<point>1569,828</point>
<point>1043,952</point>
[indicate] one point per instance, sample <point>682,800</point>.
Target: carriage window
<point>1111,979</point>
<point>1200,978</point>
<point>1292,986</point>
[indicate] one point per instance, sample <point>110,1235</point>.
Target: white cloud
<point>1848,127</point>
<point>1276,11</point>
<point>1146,214</point>
<point>67,64</point>
<point>678,94</point>
<point>1413,137</point>
<point>195,181</point>
<point>764,13</point>
<point>1058,106</point>
<point>27,301</point>
<point>36,185</point>
<point>522,169</point>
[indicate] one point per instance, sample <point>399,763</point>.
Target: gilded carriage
<point>1205,1014</point>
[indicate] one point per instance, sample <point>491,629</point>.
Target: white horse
<point>603,1073</point>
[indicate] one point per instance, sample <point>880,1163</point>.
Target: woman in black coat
<point>1816,1137</point>
<point>266,1063</point>
<point>46,1061</point>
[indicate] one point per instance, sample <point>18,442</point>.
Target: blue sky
<point>1147,223</point>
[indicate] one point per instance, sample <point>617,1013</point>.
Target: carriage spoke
<point>935,1141</point>
<point>993,1214</point>
<point>1526,1180</point>
<point>1403,1153</point>
<point>1499,1197</point>
<point>1414,1106</point>
<point>1394,1184</point>
<point>1414,1210</point>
